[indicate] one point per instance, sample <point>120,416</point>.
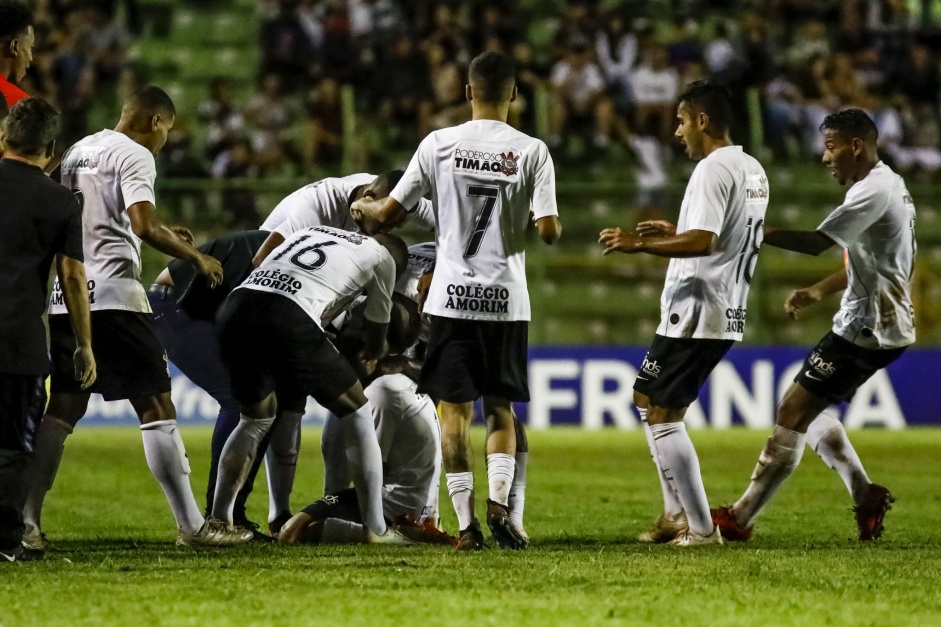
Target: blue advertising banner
<point>592,388</point>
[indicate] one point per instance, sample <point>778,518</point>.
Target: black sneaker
<point>255,528</point>
<point>504,531</point>
<point>21,554</point>
<point>274,526</point>
<point>471,539</point>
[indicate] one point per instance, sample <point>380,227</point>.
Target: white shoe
<point>36,540</point>
<point>664,529</point>
<point>391,537</point>
<point>690,538</point>
<point>215,532</point>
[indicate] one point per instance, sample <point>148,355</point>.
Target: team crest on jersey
<point>83,159</point>
<point>509,163</point>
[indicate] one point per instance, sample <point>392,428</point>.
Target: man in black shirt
<point>40,221</point>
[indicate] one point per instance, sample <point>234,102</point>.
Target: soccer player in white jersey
<point>272,341</point>
<point>112,173</point>
<point>487,181</point>
<point>875,226</point>
<point>713,250</point>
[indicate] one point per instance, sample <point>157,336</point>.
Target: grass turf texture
<point>589,495</point>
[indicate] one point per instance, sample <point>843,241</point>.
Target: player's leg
<point>501,469</point>
<point>458,461</point>
<point>334,519</point>
<point>672,520</point>
<point>827,437</point>
<point>336,472</point>
<point>281,459</point>
<point>517,501</point>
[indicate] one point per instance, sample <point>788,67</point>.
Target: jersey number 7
<point>491,193</point>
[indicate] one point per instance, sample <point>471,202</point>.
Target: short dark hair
<point>30,127</point>
<point>397,248</point>
<point>493,73</point>
<point>15,18</point>
<point>711,98</point>
<point>851,124</point>
<point>151,100</point>
<point>392,178</point>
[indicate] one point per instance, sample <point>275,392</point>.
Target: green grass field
<point>589,494</point>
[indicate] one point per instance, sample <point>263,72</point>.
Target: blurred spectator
<point>238,203</point>
<point>177,160</point>
<point>580,101</point>
<point>686,47</point>
<point>719,53</point>
<point>575,24</point>
<point>447,81</point>
<point>918,78</point>
<point>285,46</point>
<point>339,55</point>
<point>531,78</point>
<point>323,141</point>
<point>269,118</point>
<point>810,41</point>
<point>220,117</point>
<point>616,50</point>
<point>495,24</point>
<point>107,42</point>
<point>655,85</point>
<point>405,92</point>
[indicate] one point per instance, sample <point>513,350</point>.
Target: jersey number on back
<point>317,249</point>
<point>490,193</point>
<point>749,253</point>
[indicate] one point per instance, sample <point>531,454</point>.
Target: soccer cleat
<point>724,519</point>
<point>423,532</point>
<point>255,528</point>
<point>36,540</point>
<point>471,539</point>
<point>871,510</point>
<point>215,532</point>
<point>391,537</point>
<point>690,538</point>
<point>274,526</point>
<point>22,554</point>
<point>664,529</point>
<point>507,535</point>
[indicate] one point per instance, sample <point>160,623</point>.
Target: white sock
<point>671,503</point>
<point>166,457</point>
<point>236,462</point>
<point>500,471</point>
<point>365,461</point>
<point>48,446</point>
<point>461,491</point>
<point>777,461</point>
<point>681,466</point>
<point>336,470</point>
<point>339,531</point>
<point>517,502</point>
<point>281,461</point>
<point>827,437</point>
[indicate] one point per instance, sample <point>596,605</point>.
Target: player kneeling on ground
<point>272,339</point>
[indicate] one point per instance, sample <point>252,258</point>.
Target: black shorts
<point>269,344</point>
<point>343,505</point>
<point>467,359</point>
<point>131,362</point>
<point>675,369</point>
<point>22,402</point>
<point>836,368</point>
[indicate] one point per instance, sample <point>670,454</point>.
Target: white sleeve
<point>544,202</point>
<point>861,208</point>
<point>416,182</point>
<point>303,210</point>
<point>138,172</point>
<point>709,198</point>
<point>379,290</point>
<point>423,216</point>
<point>386,412</point>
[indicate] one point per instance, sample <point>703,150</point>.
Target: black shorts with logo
<point>343,505</point>
<point>468,359</point>
<point>131,362</point>
<point>836,368</point>
<point>675,369</point>
<point>269,344</point>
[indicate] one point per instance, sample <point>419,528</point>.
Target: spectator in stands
<point>447,82</point>
<point>616,50</point>
<point>575,23</point>
<point>323,141</point>
<point>655,85</point>
<point>405,91</point>
<point>918,77</point>
<point>238,203</point>
<point>220,117</point>
<point>686,47</point>
<point>719,53</point>
<point>285,46</point>
<point>269,119</point>
<point>494,23</point>
<point>107,42</point>
<point>810,41</point>
<point>531,77</point>
<point>579,97</point>
<point>339,55</point>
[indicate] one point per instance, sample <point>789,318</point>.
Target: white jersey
<point>486,178</point>
<point>707,297</point>
<point>327,203</point>
<point>421,259</point>
<point>410,439</point>
<point>109,172</point>
<point>876,226</point>
<point>324,270</point>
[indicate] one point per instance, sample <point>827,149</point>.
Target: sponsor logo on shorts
<point>478,298</point>
<point>330,499</point>
<point>479,161</point>
<point>736,320</point>
<point>650,368</point>
<point>825,368</point>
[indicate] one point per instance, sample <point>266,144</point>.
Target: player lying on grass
<point>272,340</point>
<point>713,250</point>
<point>876,227</point>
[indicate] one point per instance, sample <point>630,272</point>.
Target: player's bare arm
<point>168,240</point>
<point>374,338</point>
<point>799,299</point>
<point>75,291</point>
<point>549,228</point>
<point>378,214</point>
<point>693,243</point>
<point>274,240</point>
<point>805,242</point>
<point>656,228</point>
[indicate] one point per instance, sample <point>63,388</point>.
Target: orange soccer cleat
<point>731,530</point>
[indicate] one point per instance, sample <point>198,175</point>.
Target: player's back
<point>486,178</point>
<point>324,269</point>
<point>327,200</point>
<point>421,259</point>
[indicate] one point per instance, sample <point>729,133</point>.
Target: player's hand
<point>618,240</point>
<point>363,212</point>
<point>183,232</point>
<point>656,228</point>
<point>86,370</point>
<point>799,299</point>
<point>210,267</point>
<point>424,284</point>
